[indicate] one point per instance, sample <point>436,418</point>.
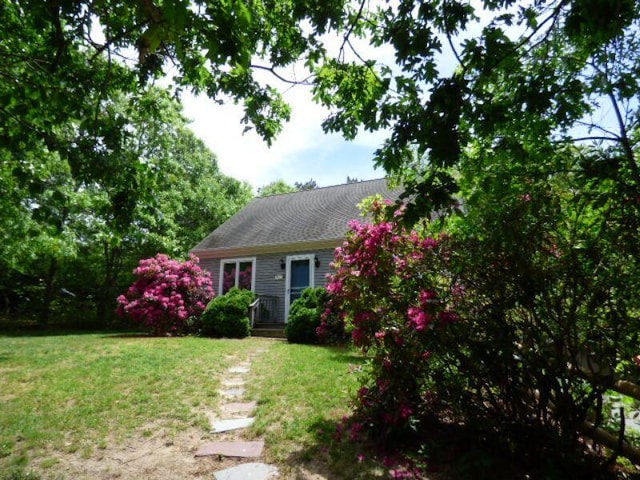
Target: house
<point>281,244</point>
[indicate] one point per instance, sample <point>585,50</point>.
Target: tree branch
<point>624,139</point>
<point>280,77</point>
<point>345,39</point>
<point>606,139</point>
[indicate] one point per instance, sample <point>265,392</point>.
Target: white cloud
<point>300,152</point>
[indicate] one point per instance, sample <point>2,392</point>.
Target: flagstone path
<point>234,417</point>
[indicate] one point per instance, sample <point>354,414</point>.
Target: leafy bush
<point>517,334</point>
<point>305,315</point>
<point>228,315</point>
<point>168,297</point>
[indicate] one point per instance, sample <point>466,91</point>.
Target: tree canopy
<point>280,186</point>
<point>276,187</point>
<point>522,70</point>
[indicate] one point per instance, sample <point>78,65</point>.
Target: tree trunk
<point>49,292</point>
<point>105,298</point>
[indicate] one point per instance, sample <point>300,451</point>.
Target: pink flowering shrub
<point>388,289</point>
<point>168,296</point>
<point>509,326</point>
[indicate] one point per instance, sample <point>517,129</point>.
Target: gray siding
<point>212,265</point>
<point>268,273</point>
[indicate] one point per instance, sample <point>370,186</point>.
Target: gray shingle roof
<point>311,215</point>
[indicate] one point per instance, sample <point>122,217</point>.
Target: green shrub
<point>228,315</point>
<point>305,315</point>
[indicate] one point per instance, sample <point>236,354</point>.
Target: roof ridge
<point>318,214</point>
<point>324,187</point>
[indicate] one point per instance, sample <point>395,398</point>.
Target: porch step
<point>271,330</point>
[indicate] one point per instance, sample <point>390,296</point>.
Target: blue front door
<point>299,277</point>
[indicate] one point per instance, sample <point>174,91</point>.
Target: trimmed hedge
<point>228,315</point>
<point>305,316</point>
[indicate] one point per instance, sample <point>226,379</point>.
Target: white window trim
<point>237,262</point>
<point>312,274</point>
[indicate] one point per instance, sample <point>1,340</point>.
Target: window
<point>237,273</point>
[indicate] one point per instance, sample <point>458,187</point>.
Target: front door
<point>299,276</point>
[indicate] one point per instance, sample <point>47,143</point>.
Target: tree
<point>155,188</point>
<point>566,60</point>
<point>275,188</point>
<point>533,70</point>
<point>308,185</point>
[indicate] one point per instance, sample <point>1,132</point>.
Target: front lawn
<point>76,397</point>
<point>303,393</point>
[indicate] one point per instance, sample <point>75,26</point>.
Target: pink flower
<point>354,431</point>
<point>418,318</point>
<point>357,336</point>
<point>334,287</point>
<point>448,317</point>
<point>166,293</point>
<point>427,296</point>
<point>405,411</point>
<point>429,243</point>
<point>383,385</point>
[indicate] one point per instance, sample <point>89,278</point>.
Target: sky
<point>300,152</point>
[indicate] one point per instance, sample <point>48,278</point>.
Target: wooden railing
<point>264,310</point>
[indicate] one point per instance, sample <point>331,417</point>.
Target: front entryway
<point>299,275</point>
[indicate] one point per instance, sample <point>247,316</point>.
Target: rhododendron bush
<point>389,286</point>
<point>168,296</point>
<point>512,323</point>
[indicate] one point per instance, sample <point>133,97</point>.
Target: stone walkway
<point>235,417</point>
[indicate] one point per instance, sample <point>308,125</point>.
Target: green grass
<point>303,392</point>
<point>75,393</point>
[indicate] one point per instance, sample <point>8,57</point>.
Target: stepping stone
<point>233,392</point>
<point>246,407</point>
<point>231,449</point>
<point>220,426</point>
<point>238,370</point>
<point>253,471</point>
<point>233,382</point>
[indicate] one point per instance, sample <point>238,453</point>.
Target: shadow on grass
<point>329,457</point>
<point>62,332</point>
<point>53,332</point>
<point>448,452</point>
<point>345,354</point>
<point>132,335</point>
